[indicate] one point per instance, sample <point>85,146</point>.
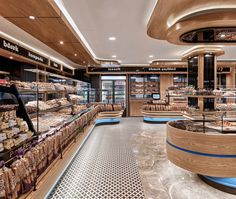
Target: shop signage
<point>135,69</point>
<point>67,70</point>
<point>223,69</point>
<point>35,57</point>
<point>14,48</point>
<point>55,65</point>
<point>9,46</point>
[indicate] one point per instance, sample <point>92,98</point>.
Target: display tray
<point>228,129</point>
<point>211,96</point>
<point>51,110</point>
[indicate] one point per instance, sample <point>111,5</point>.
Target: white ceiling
<point>127,21</point>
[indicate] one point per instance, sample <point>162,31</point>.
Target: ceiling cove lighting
<point>112,38</point>
<point>32,17</point>
<point>72,23</point>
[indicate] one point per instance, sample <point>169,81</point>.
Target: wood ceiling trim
<point>217,51</point>
<point>168,13</point>
<point>50,27</point>
<point>215,19</point>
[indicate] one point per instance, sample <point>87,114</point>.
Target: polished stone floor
<point>160,178</point>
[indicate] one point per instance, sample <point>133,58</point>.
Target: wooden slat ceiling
<point>50,27</point>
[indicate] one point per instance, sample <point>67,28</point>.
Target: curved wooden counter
<point>110,114</point>
<point>148,113</point>
<point>205,154</point>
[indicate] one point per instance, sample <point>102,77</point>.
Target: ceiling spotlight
<point>11,57</point>
<point>222,35</point>
<point>112,38</point>
<point>61,42</point>
<point>75,55</point>
<point>31,17</point>
<point>151,56</point>
<point>149,62</point>
<point>113,56</point>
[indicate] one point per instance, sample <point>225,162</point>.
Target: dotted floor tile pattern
<point>104,168</point>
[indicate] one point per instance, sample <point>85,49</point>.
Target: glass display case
<point>114,90</point>
<point>143,86</point>
<point>120,92</point>
<point>221,117</point>
<point>107,91</point>
<point>180,80</point>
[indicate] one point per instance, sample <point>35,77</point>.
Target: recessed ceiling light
<point>151,56</point>
<point>222,35</point>
<point>113,56</point>
<point>112,38</point>
<point>11,57</point>
<point>149,62</point>
<point>75,55</point>
<point>31,17</point>
<point>61,42</point>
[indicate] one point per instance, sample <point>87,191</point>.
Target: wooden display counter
<point>110,114</point>
<point>202,153</point>
<point>157,114</point>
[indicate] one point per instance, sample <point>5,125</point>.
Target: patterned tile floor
<point>128,160</point>
<point>104,168</point>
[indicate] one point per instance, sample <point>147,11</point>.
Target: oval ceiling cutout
<point>210,35</point>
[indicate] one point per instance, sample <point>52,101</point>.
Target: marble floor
<point>160,178</point>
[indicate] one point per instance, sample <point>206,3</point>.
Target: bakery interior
<point>117,99</point>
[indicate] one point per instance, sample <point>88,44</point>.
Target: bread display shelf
<point>211,96</point>
<point>9,155</point>
<point>50,110</point>
<point>225,129</point>
<point>209,115</point>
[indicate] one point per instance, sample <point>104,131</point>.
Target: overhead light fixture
<point>75,54</point>
<point>151,56</point>
<point>149,62</point>
<point>61,42</point>
<point>114,56</point>
<point>222,35</point>
<point>11,57</point>
<point>112,38</point>
<point>32,17</point>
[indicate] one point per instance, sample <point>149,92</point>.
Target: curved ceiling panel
<point>173,18</point>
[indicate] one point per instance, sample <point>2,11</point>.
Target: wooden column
<point>230,78</point>
<point>201,71</point>
<point>165,82</point>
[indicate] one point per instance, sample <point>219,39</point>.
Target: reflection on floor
<point>160,178</point>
